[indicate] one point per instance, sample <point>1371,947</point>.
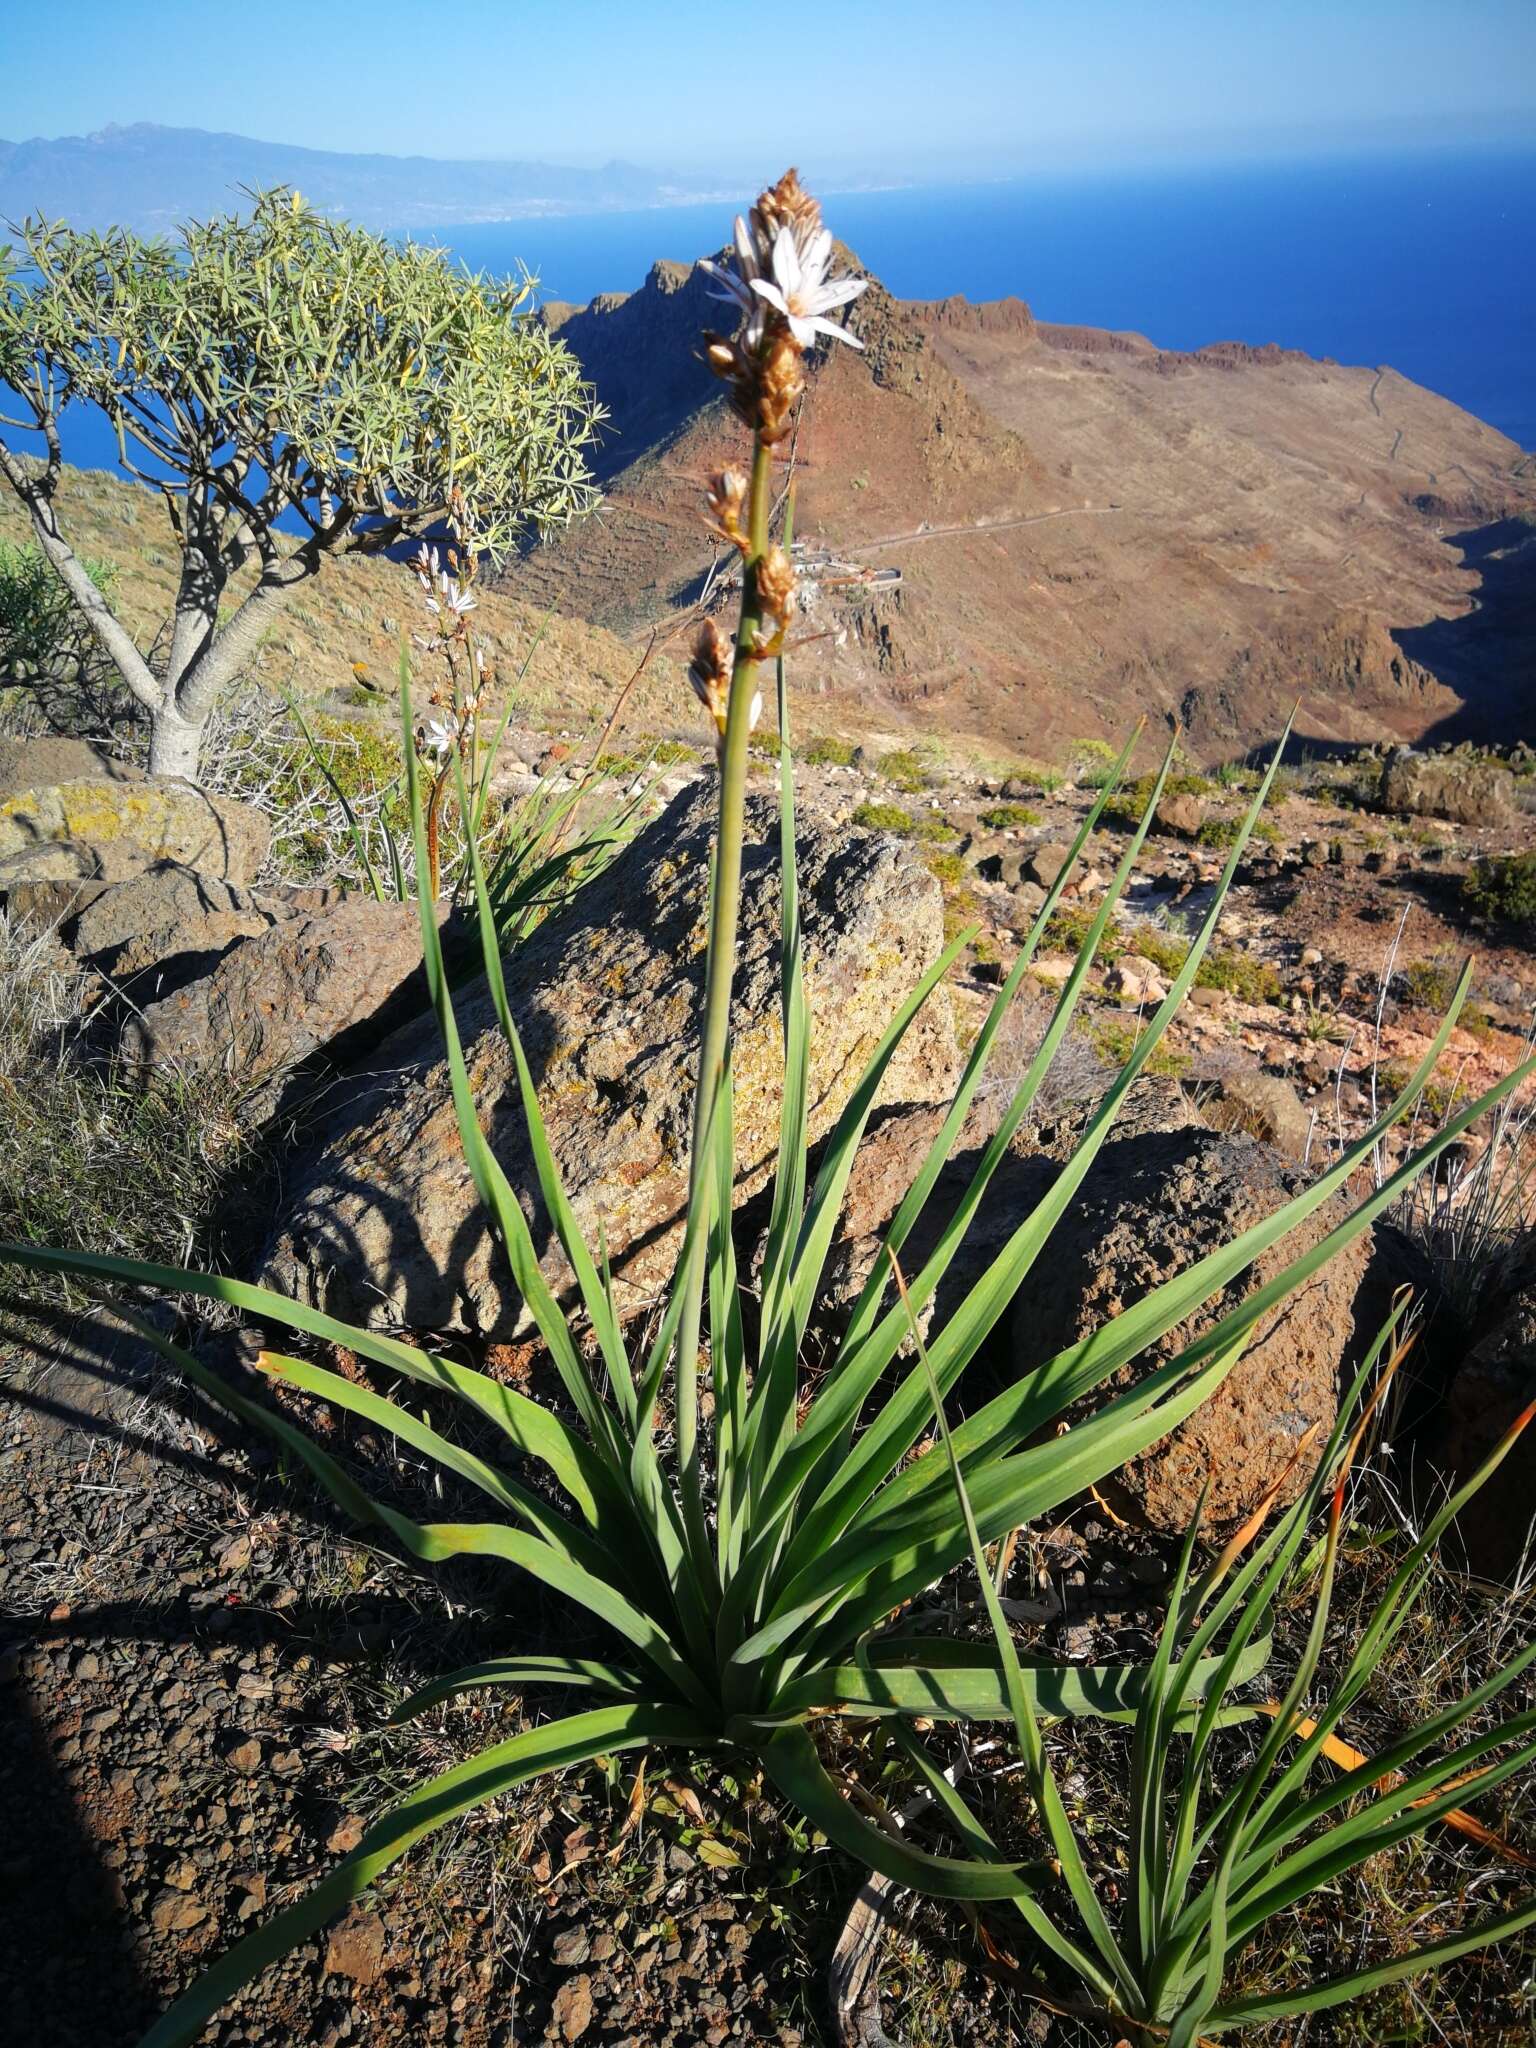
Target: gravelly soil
<point>191,1674</point>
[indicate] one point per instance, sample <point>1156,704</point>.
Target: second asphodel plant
<point>752,1573</point>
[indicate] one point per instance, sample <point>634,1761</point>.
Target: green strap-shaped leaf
<point>487,1776</point>
<point>593,1294</point>
<point>791,1761</point>
<point>532,1428</point>
<point>879,1566</point>
<point>771,1414</point>
<point>385,1414</point>
<point>934,1679</point>
<point>491,1183</point>
<point>577,1673</point>
<point>1257,2012</point>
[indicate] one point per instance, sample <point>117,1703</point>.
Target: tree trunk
<point>174,745</point>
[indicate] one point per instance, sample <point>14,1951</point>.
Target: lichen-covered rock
<point>1153,1204</point>
<point>334,983</point>
<point>55,902</point>
<point>127,826</point>
<point>382,1220</point>
<point>1457,786</point>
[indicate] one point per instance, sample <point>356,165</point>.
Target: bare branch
<point>36,493</point>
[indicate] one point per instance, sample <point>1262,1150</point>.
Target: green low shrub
<point>1237,973</point>
<point>1091,763</point>
<point>1009,817</point>
<point>1222,833</point>
<point>1429,984</point>
<point>905,769</point>
<point>1035,775</point>
<point>882,817</point>
<point>1503,889</point>
<point>826,750</point>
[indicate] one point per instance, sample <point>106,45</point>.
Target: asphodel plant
<point>752,1565</point>
<point>1217,1851</point>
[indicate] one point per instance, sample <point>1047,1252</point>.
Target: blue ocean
<point>1426,262</point>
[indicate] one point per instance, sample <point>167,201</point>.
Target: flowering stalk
<point>450,735</point>
<point>781,292</point>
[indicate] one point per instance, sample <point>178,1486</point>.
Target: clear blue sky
<point>892,87</point>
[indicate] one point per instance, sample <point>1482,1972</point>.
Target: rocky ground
<point>197,1660</point>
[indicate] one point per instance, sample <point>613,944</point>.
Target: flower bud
<point>776,584</point>
<point>780,381</point>
<point>710,672</point>
<point>727,500</point>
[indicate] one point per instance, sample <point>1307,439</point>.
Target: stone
<point>1151,1206</point>
<point>1044,863</point>
<point>1028,901</point>
<point>333,984</point>
<point>571,2012</point>
<point>1467,791</point>
<point>382,1221</point>
<point>355,1949</point>
<point>1181,815</point>
<point>174,1912</point>
<point>52,903</point>
<point>243,1754</point>
<point>346,1835</point>
<point>128,825</point>
<point>46,759</point>
<point>1264,1105</point>
<point>164,905</point>
<point>1135,980</point>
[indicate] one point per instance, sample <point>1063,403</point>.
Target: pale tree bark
<point>203,662</point>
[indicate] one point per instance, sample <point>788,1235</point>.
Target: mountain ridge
<point>147,177</point>
<point>1083,526</point>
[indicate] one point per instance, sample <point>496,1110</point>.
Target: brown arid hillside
<point>1078,527</point>
<point>338,641</point>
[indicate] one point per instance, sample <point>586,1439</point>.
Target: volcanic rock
<point>382,1220</point>
<point>1457,786</point>
<point>1153,1205</point>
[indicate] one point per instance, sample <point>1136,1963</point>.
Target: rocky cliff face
<point>1085,526</point>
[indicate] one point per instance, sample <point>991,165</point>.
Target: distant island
<point>147,178</point>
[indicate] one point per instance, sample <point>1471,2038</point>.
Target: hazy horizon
<point>699,91</point>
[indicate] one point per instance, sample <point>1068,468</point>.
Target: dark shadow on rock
<point>1488,656</point>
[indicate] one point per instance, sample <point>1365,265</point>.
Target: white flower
<point>799,289</point>
<point>455,600</point>
<point>438,738</point>
<point>736,285</point>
